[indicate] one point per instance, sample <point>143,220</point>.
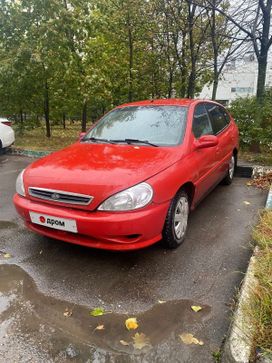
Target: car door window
<point>201,122</point>
<point>217,117</point>
<point>227,117</point>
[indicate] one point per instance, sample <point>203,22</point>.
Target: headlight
<point>129,199</point>
<point>20,189</point>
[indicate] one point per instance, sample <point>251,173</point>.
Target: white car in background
<point>7,136</point>
<point>5,121</point>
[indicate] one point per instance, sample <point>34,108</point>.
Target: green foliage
<point>56,56</point>
<point>259,306</point>
<point>254,120</point>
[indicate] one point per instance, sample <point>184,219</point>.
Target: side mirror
<point>206,141</point>
<point>81,135</point>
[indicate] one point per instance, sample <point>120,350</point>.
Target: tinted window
<point>160,125</point>
<point>201,122</point>
<point>217,117</point>
<point>227,117</point>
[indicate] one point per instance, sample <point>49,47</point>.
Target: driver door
<point>204,160</point>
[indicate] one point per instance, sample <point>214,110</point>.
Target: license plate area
<point>45,220</point>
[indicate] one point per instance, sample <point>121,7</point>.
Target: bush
<point>254,121</point>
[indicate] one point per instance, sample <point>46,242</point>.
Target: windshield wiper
<point>95,139</point>
<point>136,141</point>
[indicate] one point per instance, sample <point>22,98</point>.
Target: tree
<point>254,20</point>
<point>226,41</point>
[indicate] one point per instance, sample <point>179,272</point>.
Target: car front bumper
<point>111,231</point>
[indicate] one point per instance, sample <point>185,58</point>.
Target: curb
<point>237,348</point>
<point>269,199</point>
<point>29,153</point>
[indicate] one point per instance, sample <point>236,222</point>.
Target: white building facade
<point>238,79</point>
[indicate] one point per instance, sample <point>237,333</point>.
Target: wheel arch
<point>189,188</point>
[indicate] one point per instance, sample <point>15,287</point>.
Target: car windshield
<point>157,125</point>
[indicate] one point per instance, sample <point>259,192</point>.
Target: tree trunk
<point>64,120</point>
<point>215,52</point>
<point>262,58</point>
<point>215,86</point>
<point>183,75</point>
<point>192,76</point>
<point>191,83</point>
<point>84,117</point>
<point>21,117</point>
<point>130,45</point>
<point>262,67</point>
<point>170,83</point>
<point>46,110</point>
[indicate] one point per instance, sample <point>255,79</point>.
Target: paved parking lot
<point>43,277</point>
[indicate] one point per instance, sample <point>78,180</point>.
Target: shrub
<point>254,121</point>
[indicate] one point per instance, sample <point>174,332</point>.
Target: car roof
<point>161,102</point>
<point>185,102</point>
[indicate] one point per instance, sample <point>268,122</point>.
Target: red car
<point>132,180</point>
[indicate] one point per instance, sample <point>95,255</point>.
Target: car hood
<point>99,170</point>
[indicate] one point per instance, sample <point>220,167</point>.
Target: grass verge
<point>259,307</point>
<point>263,158</point>
<point>35,139</point>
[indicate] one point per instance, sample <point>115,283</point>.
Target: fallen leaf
<point>123,342</point>
<point>67,313</point>
<point>97,312</point>
<point>100,327</point>
<point>196,308</point>
<point>188,338</point>
<point>131,324</point>
<point>140,341</point>
<point>161,301</point>
<point>7,255</point>
<point>246,202</point>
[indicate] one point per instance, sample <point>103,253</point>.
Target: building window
<point>242,89</point>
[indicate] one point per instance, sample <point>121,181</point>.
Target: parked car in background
<point>5,121</point>
<point>132,180</point>
<point>7,136</point>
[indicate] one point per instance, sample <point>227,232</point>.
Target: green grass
<point>259,308</point>
<point>263,158</point>
<point>35,139</point>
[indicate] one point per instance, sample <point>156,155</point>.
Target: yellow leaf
<point>188,338</point>
<point>7,255</point>
<point>100,327</point>
<point>196,308</point>
<point>161,301</point>
<point>68,313</point>
<point>140,341</point>
<point>246,202</point>
<point>123,342</point>
<point>131,324</point>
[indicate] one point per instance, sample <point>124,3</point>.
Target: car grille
<point>60,196</point>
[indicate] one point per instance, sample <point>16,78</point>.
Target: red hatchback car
<point>133,178</point>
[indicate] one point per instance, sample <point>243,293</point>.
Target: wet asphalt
<point>42,278</point>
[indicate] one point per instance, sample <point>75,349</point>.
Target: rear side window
<point>201,122</point>
<point>227,117</point>
<point>217,117</point>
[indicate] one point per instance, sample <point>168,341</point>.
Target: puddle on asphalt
<point>7,225</point>
<point>34,325</point>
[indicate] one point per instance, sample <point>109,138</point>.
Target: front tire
<point>231,168</point>
<point>176,222</point>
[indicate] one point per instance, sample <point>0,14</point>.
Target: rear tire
<point>231,169</point>
<point>176,221</point>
